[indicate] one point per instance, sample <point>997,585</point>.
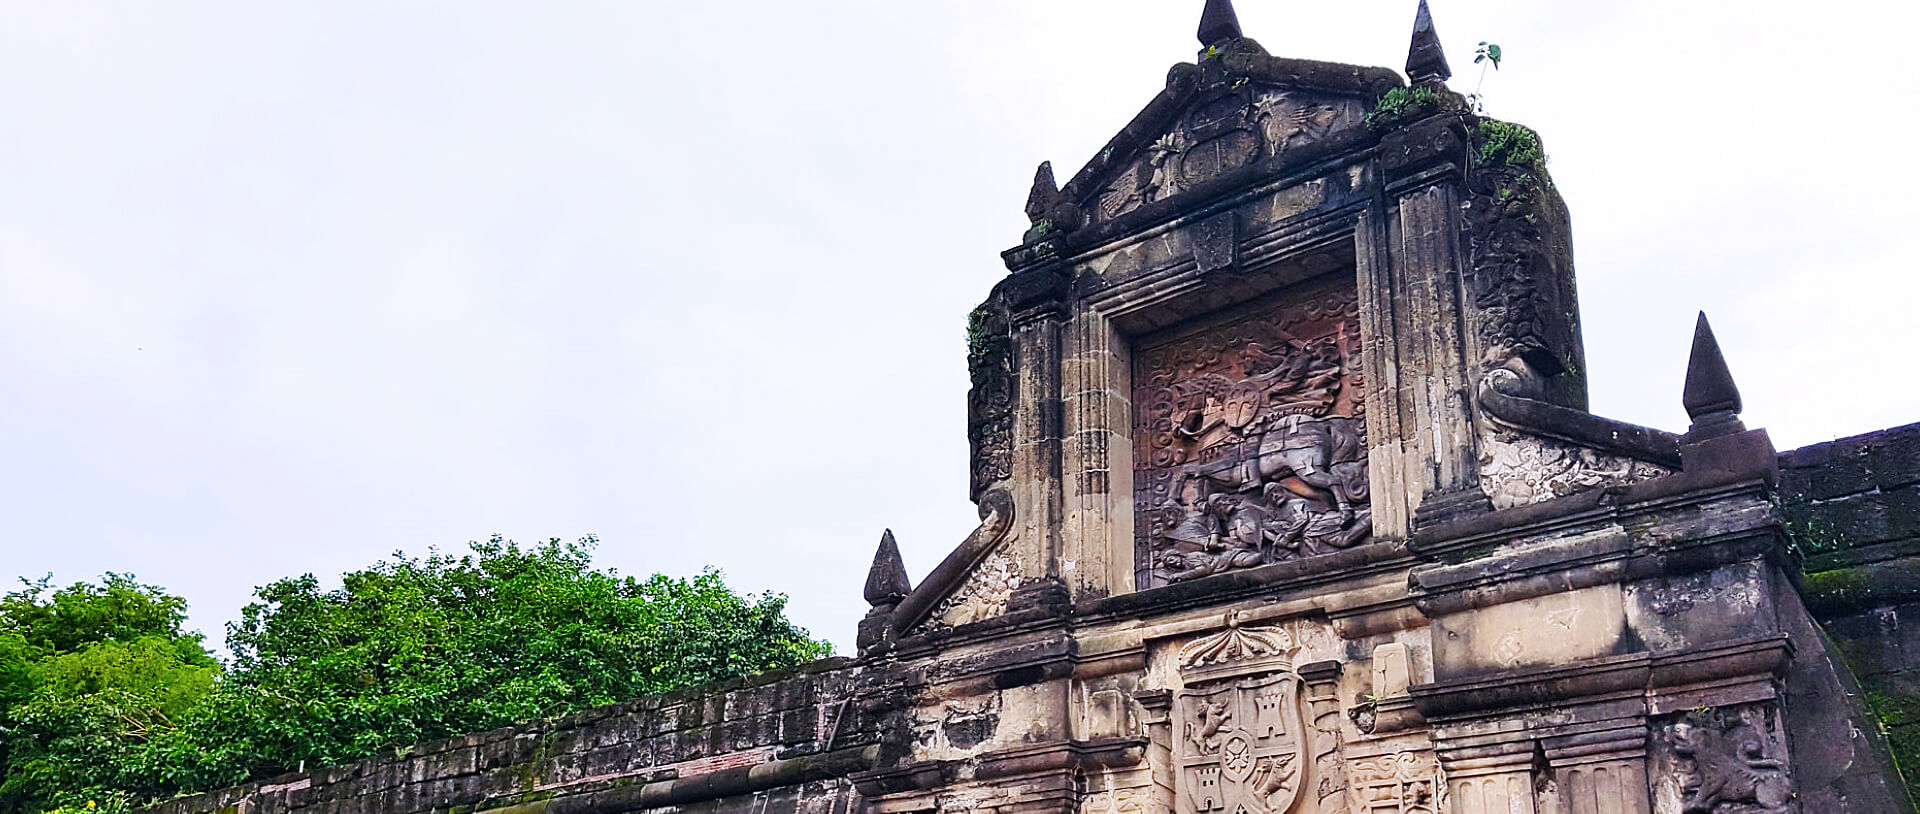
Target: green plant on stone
<point>1505,144</point>
<point>979,330</point>
<point>1400,104</point>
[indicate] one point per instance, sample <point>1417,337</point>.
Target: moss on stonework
<point>1841,586</point>
<point>979,333</point>
<point>1505,144</point>
<point>1401,105</point>
<point>1808,534</point>
<point>1898,714</point>
<point>1862,588</point>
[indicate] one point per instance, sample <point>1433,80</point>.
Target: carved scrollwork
<point>1250,440</point>
<point>1517,469</point>
<point>1401,783</point>
<point>991,579</point>
<point>990,368</point>
<point>1237,643</point>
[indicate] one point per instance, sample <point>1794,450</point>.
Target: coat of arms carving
<point>1239,745</point>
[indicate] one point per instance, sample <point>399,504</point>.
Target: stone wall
<point>785,740</point>
<point>1853,507</point>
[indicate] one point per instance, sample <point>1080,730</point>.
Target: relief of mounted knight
<point>1255,444</point>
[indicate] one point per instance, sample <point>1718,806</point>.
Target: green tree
<point>90,675</point>
<point>119,609</point>
<point>416,649</point>
<point>106,703</point>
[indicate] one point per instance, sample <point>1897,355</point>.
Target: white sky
<point>284,288</point>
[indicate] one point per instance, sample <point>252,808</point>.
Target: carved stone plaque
<point>1242,726</point>
<point>1250,437</point>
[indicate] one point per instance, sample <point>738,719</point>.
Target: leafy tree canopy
<point>89,674</point>
<point>408,650</point>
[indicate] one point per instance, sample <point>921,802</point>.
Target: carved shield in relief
<point>1239,751</point>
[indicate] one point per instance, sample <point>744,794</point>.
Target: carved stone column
<point>1157,709</point>
<point>1599,772</point>
<point>1036,297</point>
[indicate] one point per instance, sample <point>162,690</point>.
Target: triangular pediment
<point>1234,111</point>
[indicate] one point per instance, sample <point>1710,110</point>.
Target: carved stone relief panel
<point>1118,801</point>
<point>1395,783</point>
<point>1728,760</point>
<point>957,726</point>
<point>1250,437</point>
<point>1218,135</point>
<point>1518,469</point>
<point>990,400</point>
<point>984,595</point>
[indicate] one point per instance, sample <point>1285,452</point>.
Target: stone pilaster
<point>1425,456</point>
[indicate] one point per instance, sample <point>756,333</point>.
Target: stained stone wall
<point>1853,507</point>
<point>783,743</point>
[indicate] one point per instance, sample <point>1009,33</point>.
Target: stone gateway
<point>1290,503</point>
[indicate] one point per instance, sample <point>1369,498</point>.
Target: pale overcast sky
<point>286,287</point>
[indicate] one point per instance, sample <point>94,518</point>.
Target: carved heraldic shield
<point>1239,745</point>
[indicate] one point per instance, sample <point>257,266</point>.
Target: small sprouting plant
<point>1487,54</point>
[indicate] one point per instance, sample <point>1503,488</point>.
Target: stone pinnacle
<point>1426,62</point>
<point>887,581</point>
<point>1710,396</point>
<point>1218,23</point>
<point>1045,193</point>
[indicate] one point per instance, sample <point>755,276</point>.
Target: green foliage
<point>1505,144</point>
<point>418,649</point>
<point>1487,54</point>
<point>409,650</point>
<point>167,675</point>
<point>1402,104</point>
<point>979,334</point>
<point>89,675</point>
<point>119,609</point>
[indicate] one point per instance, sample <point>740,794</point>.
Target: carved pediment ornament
<point>1236,647</point>
<point>1217,135</point>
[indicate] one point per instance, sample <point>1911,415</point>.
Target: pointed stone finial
<point>1426,62</point>
<point>887,581</point>
<point>1218,23</point>
<point>1045,193</point>
<point>1711,399</point>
